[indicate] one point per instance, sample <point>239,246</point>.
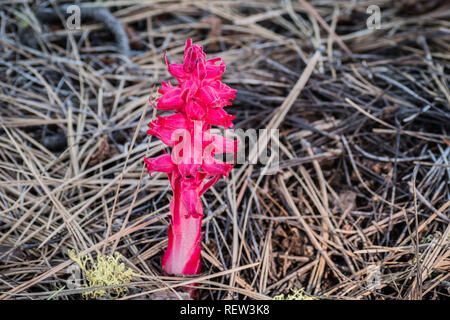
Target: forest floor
<point>358,208</point>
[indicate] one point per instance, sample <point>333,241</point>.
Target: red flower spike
<point>198,102</point>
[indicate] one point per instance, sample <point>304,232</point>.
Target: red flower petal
<point>218,117</point>
<point>195,111</point>
<point>217,168</point>
<point>214,71</point>
<point>160,164</point>
<point>208,96</point>
<point>170,100</point>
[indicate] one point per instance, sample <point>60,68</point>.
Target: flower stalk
<point>198,102</point>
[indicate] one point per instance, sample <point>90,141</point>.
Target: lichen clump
<point>106,271</point>
<point>296,295</point>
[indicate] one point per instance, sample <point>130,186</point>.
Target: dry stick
<point>64,184</point>
<point>418,279</point>
<point>208,255</point>
<point>429,205</point>
<point>279,116</point>
<point>195,280</point>
<point>307,229</point>
<point>265,260</point>
<point>358,175</point>
<point>234,258</point>
<point>125,221</point>
<point>135,194</point>
<point>322,206</point>
<point>252,196</point>
<point>430,259</point>
<point>427,221</point>
<point>76,232</point>
<point>259,17</point>
<point>330,40</point>
<point>121,177</point>
<point>246,292</point>
<point>82,206</point>
<point>367,114</point>
<point>320,259</point>
<point>67,263</point>
<point>314,13</point>
<point>96,14</point>
<point>256,28</point>
<point>437,281</point>
<point>295,274</point>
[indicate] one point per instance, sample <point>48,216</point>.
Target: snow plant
<point>193,165</point>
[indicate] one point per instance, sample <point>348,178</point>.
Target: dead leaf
<point>102,153</point>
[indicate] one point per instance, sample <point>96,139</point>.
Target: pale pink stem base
<point>183,250</point>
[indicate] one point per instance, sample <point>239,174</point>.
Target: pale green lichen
<point>296,295</point>
<point>106,271</point>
